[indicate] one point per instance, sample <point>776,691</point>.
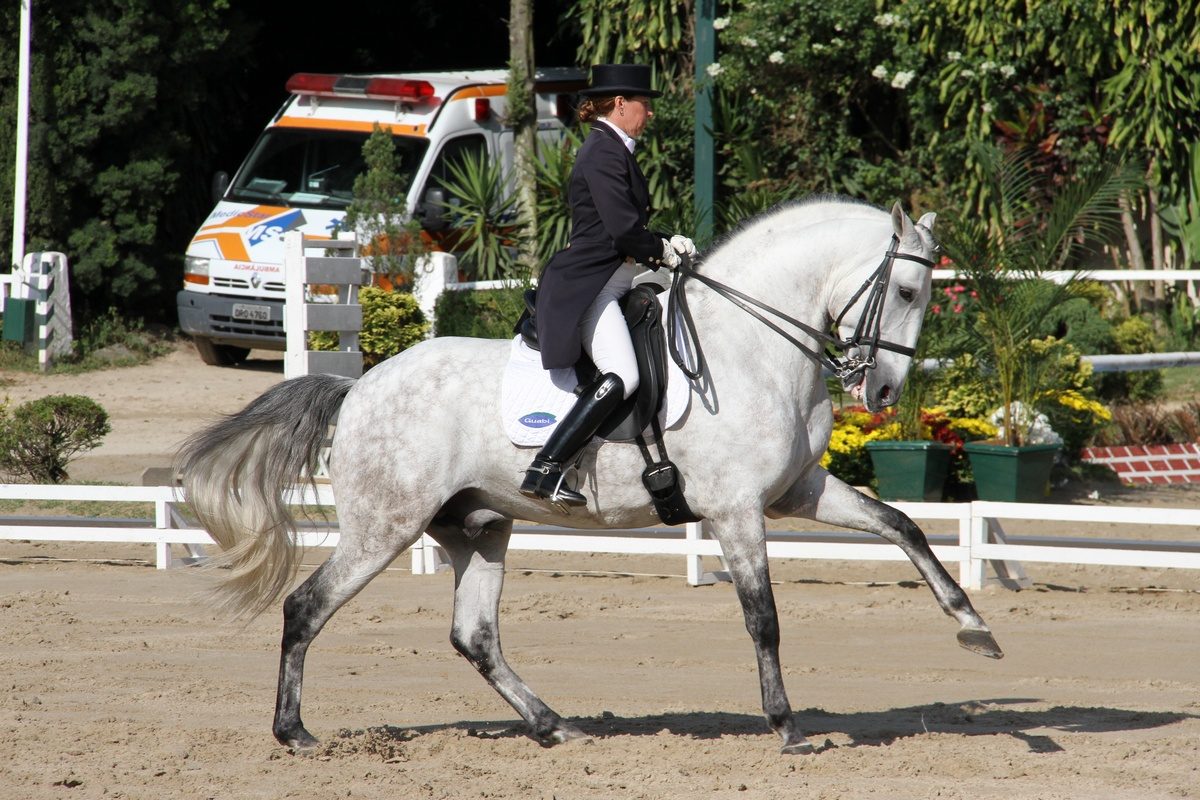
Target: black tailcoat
<point>610,208</point>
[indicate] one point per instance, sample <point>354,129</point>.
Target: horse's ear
<point>901,224</point>
<point>926,221</point>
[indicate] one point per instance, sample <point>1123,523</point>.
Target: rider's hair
<point>593,107</point>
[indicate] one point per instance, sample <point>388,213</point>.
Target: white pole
<point>18,239</point>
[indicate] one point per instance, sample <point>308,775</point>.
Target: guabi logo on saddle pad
<point>538,419</point>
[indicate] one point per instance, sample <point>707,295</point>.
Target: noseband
<point>866,333</point>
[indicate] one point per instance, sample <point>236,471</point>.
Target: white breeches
<point>605,334</point>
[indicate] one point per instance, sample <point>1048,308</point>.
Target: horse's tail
<point>235,472</point>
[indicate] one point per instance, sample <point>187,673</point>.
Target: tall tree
<point>126,106</point>
<point>522,115</point>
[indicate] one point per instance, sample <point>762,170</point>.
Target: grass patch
<point>108,341</point>
<point>1181,384</point>
<point>91,509</point>
<point>122,509</point>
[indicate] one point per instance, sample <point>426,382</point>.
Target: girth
<point>643,315</point>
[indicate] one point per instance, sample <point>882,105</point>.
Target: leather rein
<point>866,332</point>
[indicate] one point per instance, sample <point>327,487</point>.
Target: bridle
<point>866,333</point>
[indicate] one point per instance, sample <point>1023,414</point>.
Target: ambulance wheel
<point>219,355</point>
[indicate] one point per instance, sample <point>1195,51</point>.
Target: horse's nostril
<point>885,394</point>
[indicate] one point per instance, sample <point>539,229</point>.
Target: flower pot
<point>1011,474</point>
<point>910,470</point>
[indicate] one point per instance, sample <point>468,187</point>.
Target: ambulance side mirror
<point>220,183</point>
<point>433,212</point>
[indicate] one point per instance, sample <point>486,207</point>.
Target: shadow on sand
<point>1004,716</point>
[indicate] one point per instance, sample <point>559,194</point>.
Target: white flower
<point>720,23</point>
<point>879,72</point>
<point>954,55</point>
<point>987,66</point>
<point>837,41</point>
<point>887,20</point>
<point>818,47</point>
<point>987,108</point>
<point>714,69</point>
<point>748,41</point>
<point>1008,70</point>
<point>775,57</point>
<point>967,73</point>
<point>902,79</point>
<point>1040,431</point>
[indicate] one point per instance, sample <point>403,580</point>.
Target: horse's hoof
<point>800,748</point>
<point>980,641</point>
<point>300,741</point>
<point>561,734</point>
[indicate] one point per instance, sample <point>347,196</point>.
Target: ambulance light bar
<point>359,86</point>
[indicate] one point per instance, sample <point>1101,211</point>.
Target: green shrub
<point>40,437</point>
<point>1134,335</point>
<point>487,313</point>
<point>392,321</point>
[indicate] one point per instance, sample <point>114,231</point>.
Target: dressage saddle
<point>643,315</point>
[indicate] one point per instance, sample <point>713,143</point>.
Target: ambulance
<point>300,176</point>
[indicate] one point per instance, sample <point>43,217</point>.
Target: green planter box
<point>1011,474</point>
<point>910,470</point>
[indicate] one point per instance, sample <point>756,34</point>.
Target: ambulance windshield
<point>312,168</point>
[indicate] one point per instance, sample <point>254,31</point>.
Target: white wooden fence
<point>980,538</point>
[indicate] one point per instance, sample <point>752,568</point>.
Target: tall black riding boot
<point>544,478</point>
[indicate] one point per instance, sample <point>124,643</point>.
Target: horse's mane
<point>810,203</point>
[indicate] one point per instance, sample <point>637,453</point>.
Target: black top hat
<point>628,80</point>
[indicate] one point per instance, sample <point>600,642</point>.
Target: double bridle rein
<point>845,368</point>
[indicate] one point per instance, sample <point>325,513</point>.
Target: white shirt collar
<point>626,139</point>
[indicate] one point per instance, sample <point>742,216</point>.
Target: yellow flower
<point>973,428</point>
<point>1077,402</point>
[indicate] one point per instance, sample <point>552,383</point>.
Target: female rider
<point>578,290</point>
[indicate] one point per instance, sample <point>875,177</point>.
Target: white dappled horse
<point>419,447</point>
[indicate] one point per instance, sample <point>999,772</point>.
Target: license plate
<point>252,312</point>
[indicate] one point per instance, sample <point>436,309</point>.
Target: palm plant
<point>1028,229</point>
<point>553,177</point>
<point>484,213</point>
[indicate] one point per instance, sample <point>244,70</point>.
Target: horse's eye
<point>907,295</point>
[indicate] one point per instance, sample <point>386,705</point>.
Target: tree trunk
<point>1137,261</point>
<point>1156,243</point>
<point>522,115</point>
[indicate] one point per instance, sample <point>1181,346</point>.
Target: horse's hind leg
<point>306,611</point>
<point>478,562</point>
<point>830,500</point>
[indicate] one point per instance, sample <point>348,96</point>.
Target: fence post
<point>300,316</point>
<point>696,576</point>
<point>44,281</point>
<point>975,564</point>
<point>964,541</point>
<point>433,273</point>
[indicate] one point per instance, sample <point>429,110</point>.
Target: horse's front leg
<point>743,542</point>
<point>827,499</point>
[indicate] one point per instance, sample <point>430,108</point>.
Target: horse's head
<point>882,319</point>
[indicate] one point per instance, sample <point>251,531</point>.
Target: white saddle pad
<point>533,400</point>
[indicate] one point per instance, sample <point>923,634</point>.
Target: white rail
<point>980,540</point>
<point>1103,275</point>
